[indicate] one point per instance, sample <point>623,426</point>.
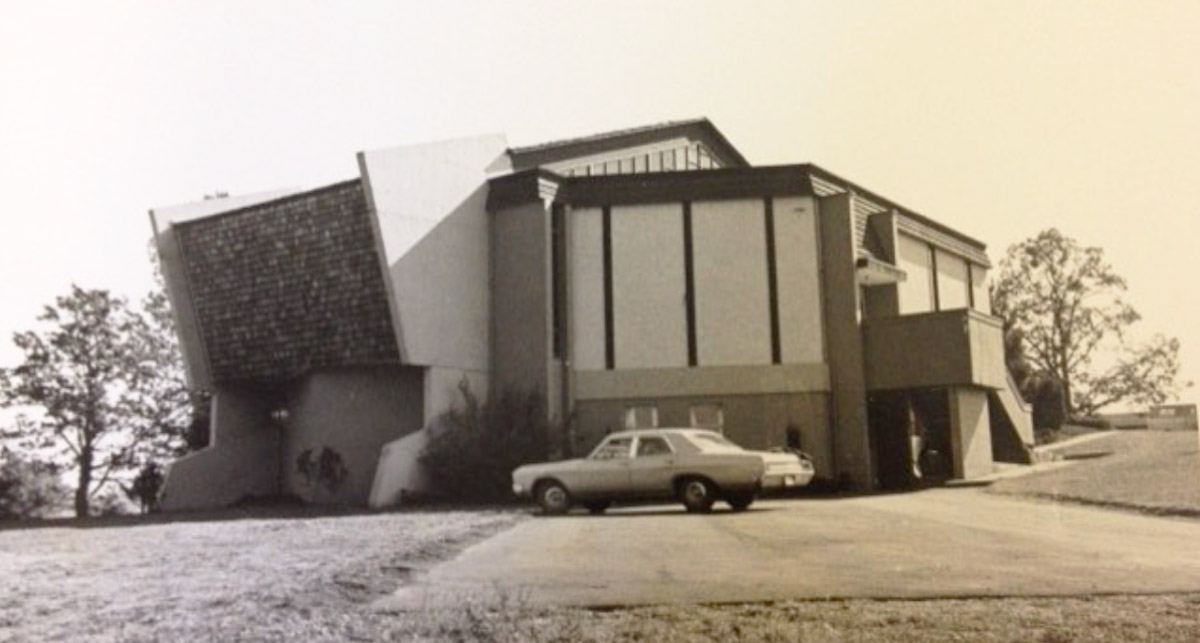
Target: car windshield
<point>714,442</point>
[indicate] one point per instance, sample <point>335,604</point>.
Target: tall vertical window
<point>558,278</point>
<point>917,292</point>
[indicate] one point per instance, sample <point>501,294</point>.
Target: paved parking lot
<point>935,543</point>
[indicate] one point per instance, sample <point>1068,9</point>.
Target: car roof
<point>629,433</point>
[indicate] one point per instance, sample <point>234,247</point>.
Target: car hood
<point>541,468</point>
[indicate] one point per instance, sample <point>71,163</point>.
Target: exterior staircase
<point>1012,424</point>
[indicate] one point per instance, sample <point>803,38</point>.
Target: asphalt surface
<point>930,544</point>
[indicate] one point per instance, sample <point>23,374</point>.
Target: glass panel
<point>652,446</point>
<point>614,449</point>
<point>708,416</point>
<point>641,417</point>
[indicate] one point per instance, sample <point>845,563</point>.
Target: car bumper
<point>786,479</point>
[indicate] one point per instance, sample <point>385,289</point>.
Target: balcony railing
<point>947,348</point>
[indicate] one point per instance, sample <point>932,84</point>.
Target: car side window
<point>614,449</point>
<point>652,446</point>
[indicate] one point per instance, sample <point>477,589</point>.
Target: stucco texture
<point>352,412</point>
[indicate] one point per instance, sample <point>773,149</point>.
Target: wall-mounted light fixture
<point>279,415</point>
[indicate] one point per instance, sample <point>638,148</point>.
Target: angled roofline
<point>294,196</point>
<point>718,183</point>
<point>529,156</point>
<point>826,175</point>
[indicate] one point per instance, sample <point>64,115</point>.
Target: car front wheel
<point>697,494</point>
<point>553,498</point>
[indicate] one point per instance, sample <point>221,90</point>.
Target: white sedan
<point>694,466</point>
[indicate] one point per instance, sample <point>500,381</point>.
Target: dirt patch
<point>246,580</point>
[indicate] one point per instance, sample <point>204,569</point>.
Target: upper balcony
<point>947,348</point>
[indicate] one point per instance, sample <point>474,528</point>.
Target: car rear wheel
<point>697,494</point>
<point>740,501</point>
<point>596,508</point>
<point>553,498</point>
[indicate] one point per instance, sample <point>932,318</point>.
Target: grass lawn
<point>1153,471</point>
<point>310,578</point>
<point>297,579</point>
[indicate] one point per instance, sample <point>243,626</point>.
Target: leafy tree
<point>28,489</point>
<point>1064,302</point>
<point>93,378</point>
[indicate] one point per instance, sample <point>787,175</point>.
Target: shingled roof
<point>289,286</point>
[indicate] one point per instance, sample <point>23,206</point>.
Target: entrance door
<point>889,415</point>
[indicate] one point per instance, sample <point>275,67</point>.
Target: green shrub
<point>1049,402</point>
<point>28,489</point>
<point>473,449</point>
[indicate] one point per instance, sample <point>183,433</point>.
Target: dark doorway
<point>910,437</point>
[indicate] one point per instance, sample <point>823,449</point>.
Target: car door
<point>653,467</point>
<point>605,472</point>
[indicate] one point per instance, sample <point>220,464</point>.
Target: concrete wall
<point>242,458</point>
<point>354,412</point>
<point>429,202</point>
<point>399,475</point>
<point>934,349</point>
<point>801,337</point>
<point>732,309</point>
<point>649,290</point>
<point>844,351</point>
<point>969,433</point>
<point>702,381</point>
<point>756,421</point>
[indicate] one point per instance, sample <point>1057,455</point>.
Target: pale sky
<point>997,118</point>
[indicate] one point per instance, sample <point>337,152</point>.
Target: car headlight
<point>517,488</point>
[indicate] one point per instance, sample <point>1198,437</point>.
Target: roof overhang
<point>869,271</point>
<point>655,187</point>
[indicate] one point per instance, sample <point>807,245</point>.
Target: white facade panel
<point>649,311</point>
<point>429,204</point>
<point>799,281</point>
<point>953,289</point>
<point>983,299</point>
<point>733,323</point>
<point>916,291</point>
<point>587,287</point>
